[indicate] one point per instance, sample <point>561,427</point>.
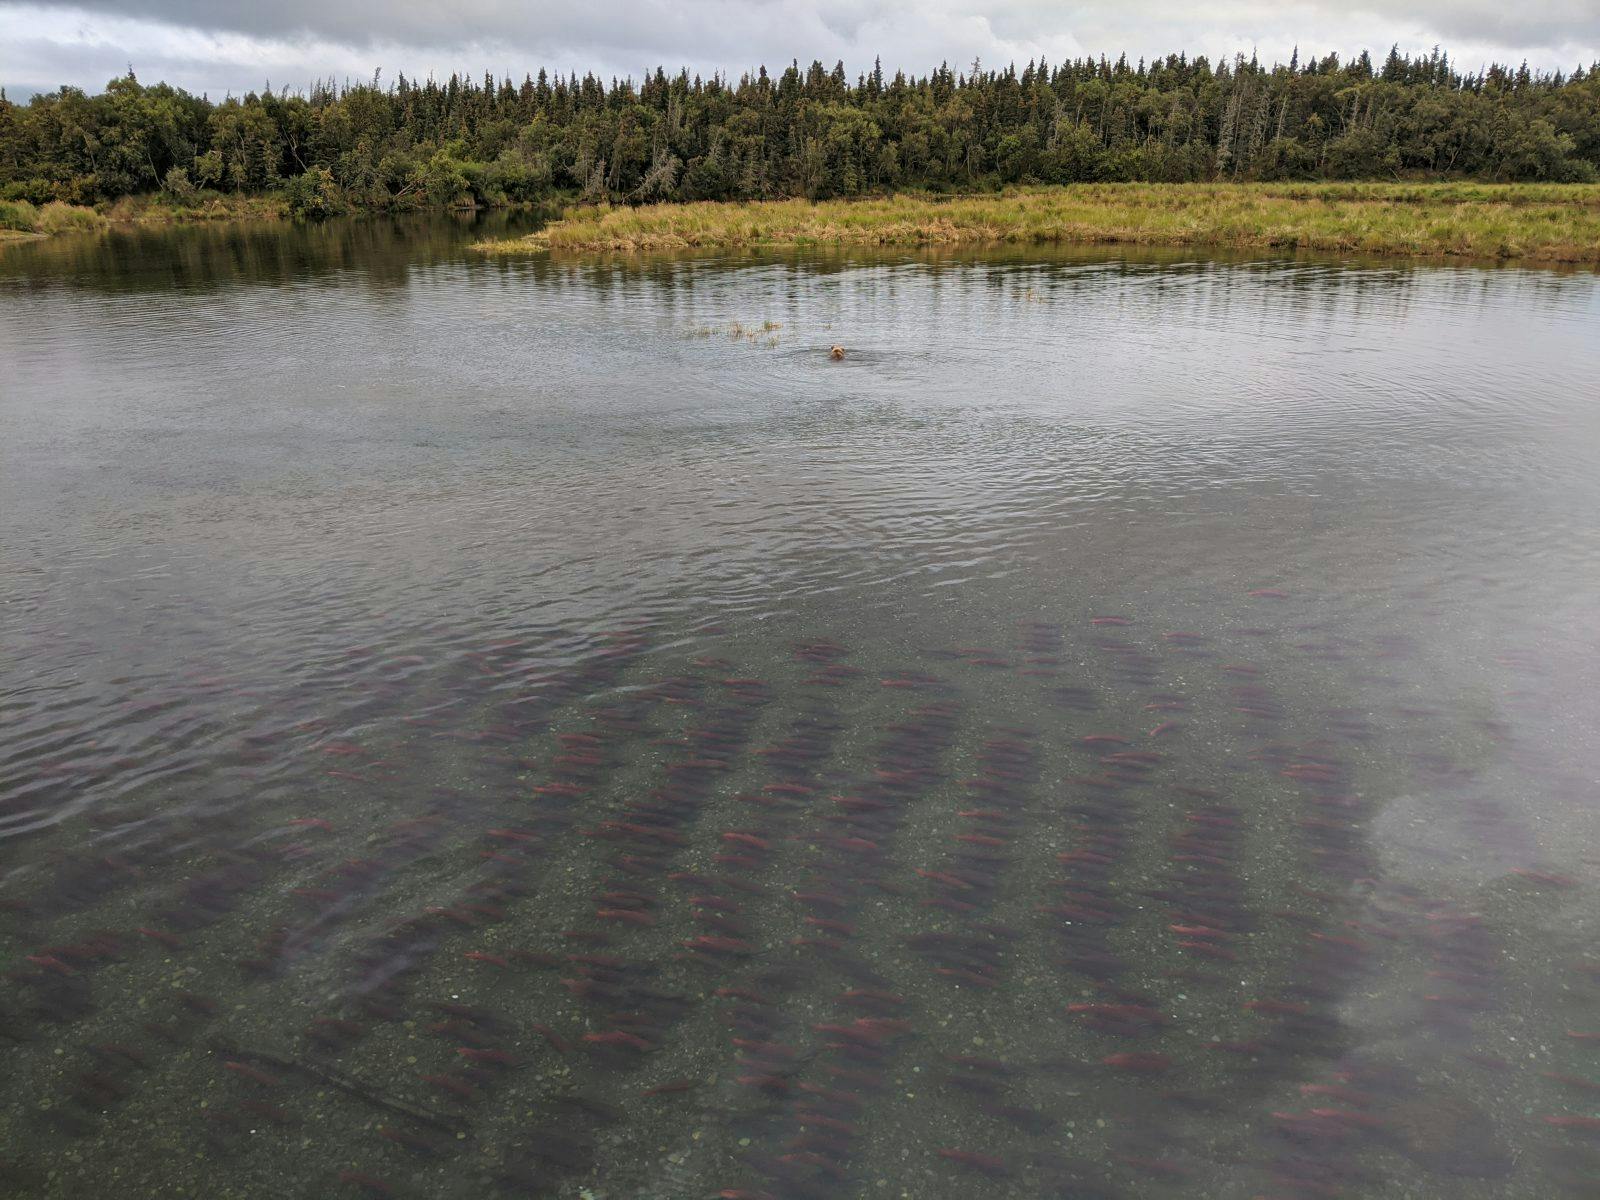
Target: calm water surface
<point>537,728</point>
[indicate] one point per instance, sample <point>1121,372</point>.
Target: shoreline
<point>1552,225</point>
<point>155,212</point>
<point>1535,223</point>
<point>21,221</point>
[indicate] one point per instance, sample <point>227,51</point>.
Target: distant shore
<point>22,221</point>
<point>1549,223</point>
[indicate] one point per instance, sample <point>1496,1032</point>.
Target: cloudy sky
<point>218,46</point>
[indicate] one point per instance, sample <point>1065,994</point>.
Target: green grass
<point>161,208</point>
<point>18,217</point>
<point>57,217</point>
<point>1535,222</point>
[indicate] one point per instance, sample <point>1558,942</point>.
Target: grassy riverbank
<point>163,209</point>
<point>1534,222</point>
<point>21,220</point>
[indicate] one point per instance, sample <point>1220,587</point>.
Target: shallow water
<point>1127,729</point>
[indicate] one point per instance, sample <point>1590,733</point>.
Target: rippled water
<point>543,728</point>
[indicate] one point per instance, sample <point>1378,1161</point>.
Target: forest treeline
<point>807,132</point>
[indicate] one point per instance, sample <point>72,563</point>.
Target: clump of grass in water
<point>738,331</point>
<point>1540,222</point>
<point>753,334</point>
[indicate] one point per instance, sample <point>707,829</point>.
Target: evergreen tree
<point>812,131</point>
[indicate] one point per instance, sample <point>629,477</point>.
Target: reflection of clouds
<point>537,436</point>
<point>217,47</point>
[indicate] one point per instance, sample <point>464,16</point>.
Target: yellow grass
<point>161,209</point>
<point>1535,222</point>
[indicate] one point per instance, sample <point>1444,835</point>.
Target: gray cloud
<point>1539,25</point>
<point>220,45</point>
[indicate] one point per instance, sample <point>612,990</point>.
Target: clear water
<point>1127,729</point>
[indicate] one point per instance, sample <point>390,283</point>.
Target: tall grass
<point>18,215</point>
<point>163,208</point>
<point>1538,222</point>
<point>22,217</point>
<point>57,217</point>
<point>53,218</point>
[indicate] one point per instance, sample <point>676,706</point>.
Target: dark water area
<point>541,728</point>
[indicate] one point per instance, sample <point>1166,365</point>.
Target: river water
<point>521,727</point>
